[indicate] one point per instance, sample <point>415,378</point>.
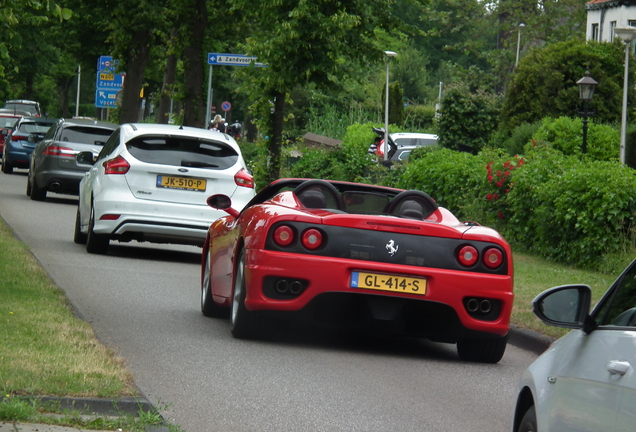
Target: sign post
<point>221,59</point>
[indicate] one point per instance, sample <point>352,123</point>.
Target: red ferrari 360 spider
<point>366,257</point>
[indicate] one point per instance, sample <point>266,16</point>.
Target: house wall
<point>603,17</point>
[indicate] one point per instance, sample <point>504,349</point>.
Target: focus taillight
<point>468,256</point>
<point>381,149</point>
<point>493,258</point>
<point>119,165</point>
<point>283,235</point>
<point>243,178</point>
<point>59,151</point>
<point>312,239</point>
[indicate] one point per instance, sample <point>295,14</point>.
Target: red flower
<point>500,183</point>
<point>496,197</point>
<point>507,173</point>
<point>500,215</point>
<point>489,197</point>
<point>490,179</point>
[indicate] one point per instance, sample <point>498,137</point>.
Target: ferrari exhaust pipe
<point>485,306</point>
<point>472,305</point>
<point>282,286</point>
<point>295,287</point>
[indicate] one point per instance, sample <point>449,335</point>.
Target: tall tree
<point>307,42</point>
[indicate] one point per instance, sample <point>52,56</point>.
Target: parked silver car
<point>585,381</point>
<point>53,166</point>
<point>150,183</point>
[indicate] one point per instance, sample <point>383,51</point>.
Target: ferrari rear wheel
<point>529,421</point>
<point>95,243</point>
<point>78,236</point>
<point>241,320</point>
<point>482,350</point>
<point>28,188</point>
<point>7,168</point>
<point>208,307</point>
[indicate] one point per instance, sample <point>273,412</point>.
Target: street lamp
<point>389,55</point>
<point>587,85</point>
<point>627,34</point>
<point>521,25</point>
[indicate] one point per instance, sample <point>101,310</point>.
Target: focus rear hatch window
<point>182,151</point>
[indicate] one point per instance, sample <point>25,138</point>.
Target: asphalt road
<point>143,300</point>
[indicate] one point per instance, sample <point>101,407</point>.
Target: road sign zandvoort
<point>223,59</point>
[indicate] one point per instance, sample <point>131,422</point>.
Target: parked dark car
<point>8,120</point>
<point>19,145</point>
<point>53,167</point>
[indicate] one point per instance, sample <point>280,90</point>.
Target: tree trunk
<point>274,143</point>
<point>169,77</point>
<point>63,87</point>
<point>135,66</point>
<point>194,107</point>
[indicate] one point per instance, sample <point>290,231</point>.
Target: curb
<point>104,407</point>
<point>529,340</point>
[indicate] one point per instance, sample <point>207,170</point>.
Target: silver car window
<point>619,307</point>
<point>85,135</point>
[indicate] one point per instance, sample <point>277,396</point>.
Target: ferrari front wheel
<point>208,307</point>
<point>241,320</point>
<point>529,421</point>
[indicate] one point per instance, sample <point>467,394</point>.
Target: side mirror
<point>566,306</point>
<point>222,202</point>
<point>85,158</point>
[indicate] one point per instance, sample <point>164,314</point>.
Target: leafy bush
<point>566,135</point>
<point>419,117</point>
<point>467,120</point>
<point>521,136</point>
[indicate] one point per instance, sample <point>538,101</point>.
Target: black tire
<point>208,307</point>
<point>78,236</point>
<point>7,168</point>
<point>482,350</point>
<point>241,320</point>
<point>36,193</point>
<point>529,421</point>
<point>95,243</point>
<point>28,188</point>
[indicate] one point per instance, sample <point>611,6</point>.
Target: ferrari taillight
<point>381,149</point>
<point>468,256</point>
<point>312,239</point>
<point>493,258</point>
<point>283,235</point>
<point>59,151</point>
<point>119,165</point>
<point>243,178</point>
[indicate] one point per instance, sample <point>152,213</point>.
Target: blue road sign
<point>106,98</point>
<point>232,60</point>
<point>106,76</point>
<point>226,106</point>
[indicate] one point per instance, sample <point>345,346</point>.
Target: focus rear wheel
<point>95,243</point>
<point>78,236</point>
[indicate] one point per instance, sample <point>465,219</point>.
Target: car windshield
<point>86,135</point>
<point>182,151</point>
<point>33,127</point>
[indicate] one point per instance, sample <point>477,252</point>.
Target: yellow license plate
<point>382,282</point>
<point>181,183</point>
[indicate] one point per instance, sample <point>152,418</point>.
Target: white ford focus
<point>585,382</point>
<point>150,183</point>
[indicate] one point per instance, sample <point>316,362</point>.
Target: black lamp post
<point>587,85</point>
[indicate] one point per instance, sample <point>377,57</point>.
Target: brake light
<point>468,256</point>
<point>493,258</point>
<point>15,137</point>
<point>59,151</point>
<point>243,178</point>
<point>283,235</point>
<point>312,239</point>
<point>119,165</point>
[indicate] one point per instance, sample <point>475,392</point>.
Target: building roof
<point>606,4</point>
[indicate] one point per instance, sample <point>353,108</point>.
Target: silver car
<point>150,182</point>
<point>586,380</point>
<point>53,167</point>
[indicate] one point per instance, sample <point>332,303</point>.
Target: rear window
<point>411,142</point>
<point>85,135</point>
<point>182,151</point>
<point>30,128</point>
<point>30,108</point>
<point>6,122</point>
